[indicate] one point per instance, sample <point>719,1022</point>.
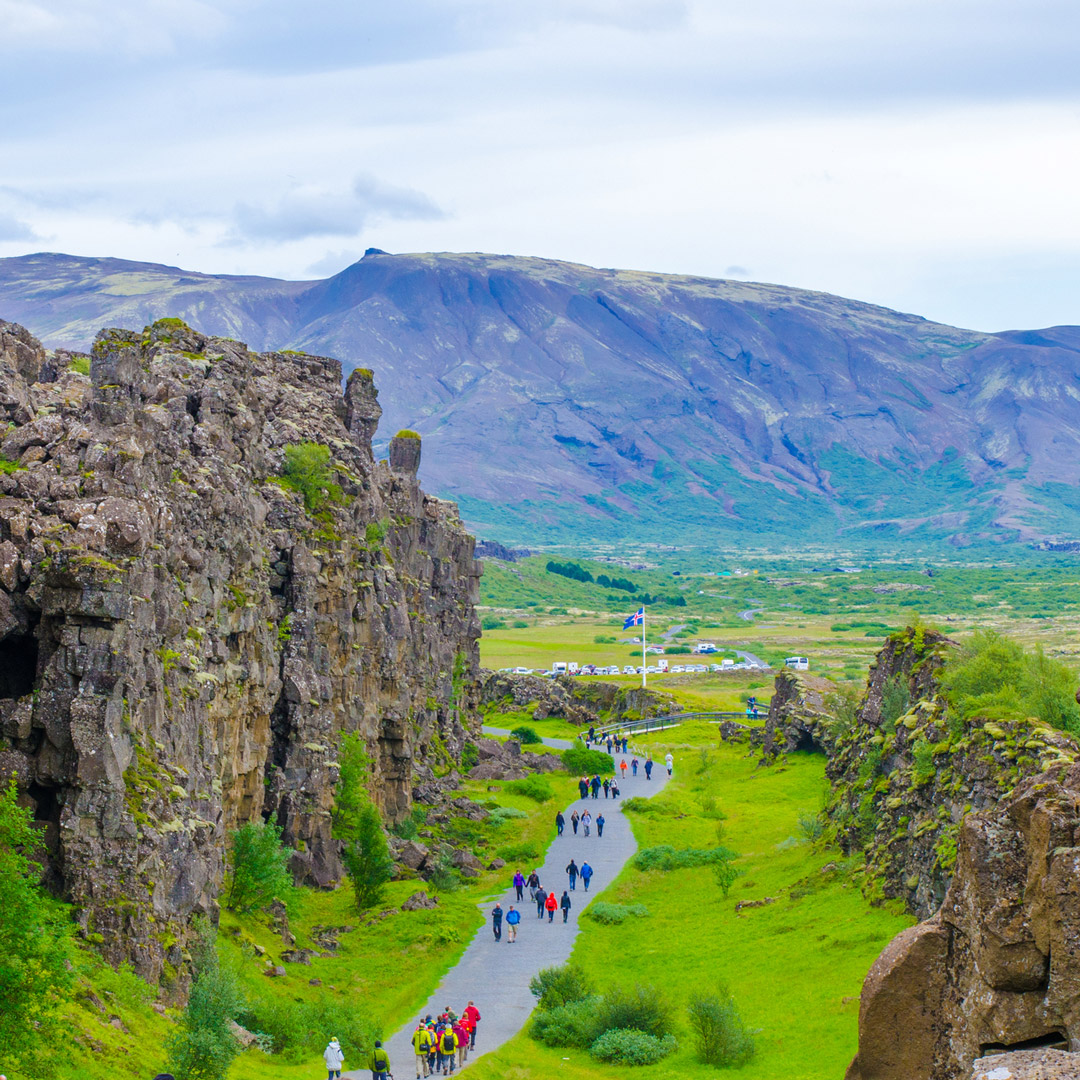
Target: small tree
<point>35,940</point>
<point>204,1047</point>
<point>719,1034</point>
<point>307,470</point>
<point>259,867</point>
<point>365,854</point>
<point>725,873</point>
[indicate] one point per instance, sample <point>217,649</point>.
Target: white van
<point>629,670</point>
<point>559,667</point>
<point>662,664</point>
<point>799,663</point>
<point>573,667</point>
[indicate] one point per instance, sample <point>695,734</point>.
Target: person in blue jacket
<point>513,917</point>
<point>586,875</point>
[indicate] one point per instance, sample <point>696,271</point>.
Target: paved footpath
<point>495,975</point>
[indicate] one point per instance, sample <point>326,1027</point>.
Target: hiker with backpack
<point>334,1058</point>
<point>379,1062</point>
<point>421,1041</point>
<point>447,1049</point>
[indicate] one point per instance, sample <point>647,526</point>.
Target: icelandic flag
<point>637,619</point>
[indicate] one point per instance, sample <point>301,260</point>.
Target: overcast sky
<point>923,154</point>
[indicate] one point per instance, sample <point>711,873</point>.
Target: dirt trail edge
<point>495,975</point>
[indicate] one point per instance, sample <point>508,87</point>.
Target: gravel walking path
<point>495,975</point>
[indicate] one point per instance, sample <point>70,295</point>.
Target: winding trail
<point>496,974</point>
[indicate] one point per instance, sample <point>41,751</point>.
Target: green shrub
<point>656,807</point>
<point>811,825</point>
<point>525,852</point>
<point>992,677</point>
<point>80,365</point>
<point>470,756</point>
<point>356,821</point>
<point>520,624</point>
<point>720,1037</point>
<point>666,857</point>
<point>492,622</point>
<point>375,532</point>
<point>258,867</point>
<point>505,813</point>
<point>35,942</point>
<point>562,985</point>
<point>711,809</point>
<point>923,768</point>
<point>604,639</point>
<point>584,762</point>
<point>628,1046</point>
<point>307,470</point>
<point>203,1048</point>
<point>443,876</point>
<point>526,735</point>
<point>7,466</point>
<point>895,699</point>
<point>568,1025</point>
<point>613,914</point>
<point>407,433</point>
<point>677,650</point>
<point>642,1009</point>
<point>299,1029</point>
<point>724,873</point>
<point>532,787</point>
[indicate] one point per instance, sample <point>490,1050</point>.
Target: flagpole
<point>644,661</point>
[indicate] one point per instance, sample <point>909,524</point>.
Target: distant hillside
<point>559,402</point>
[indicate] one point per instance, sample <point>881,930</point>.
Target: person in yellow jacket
<point>447,1046</point>
<point>421,1042</point>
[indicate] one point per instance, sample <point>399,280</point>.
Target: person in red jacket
<point>552,905</point>
<point>473,1013</point>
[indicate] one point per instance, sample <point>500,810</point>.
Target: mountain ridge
<point>558,400</point>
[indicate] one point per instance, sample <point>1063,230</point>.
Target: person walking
<point>592,733</point>
<point>648,768</point>
<point>622,768</point>
<point>599,824</point>
<point>541,898</point>
<point>379,1062</point>
<point>552,905</point>
<point>473,1013</point>
<point>519,885</point>
<point>609,744</point>
<point>586,875</point>
<point>614,789</point>
<point>583,787</point>
<point>586,821</point>
<point>572,873</point>
<point>533,883</point>
<point>496,921</point>
<point>461,1038</point>
<point>560,823</point>
<point>334,1058</point>
<point>513,917</point>
<point>633,766</point>
<point>421,1041</point>
<point>564,903</point>
<point>447,1048</point>
<point>575,817</point>
<point>596,786</point>
<point>625,742</point>
<point>669,761</point>
<point>607,786</point>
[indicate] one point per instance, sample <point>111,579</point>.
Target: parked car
<point>630,670</point>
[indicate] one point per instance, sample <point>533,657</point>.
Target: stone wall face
<point>183,642</point>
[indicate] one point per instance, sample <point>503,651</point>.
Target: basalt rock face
<point>184,640</point>
<point>998,967</point>
<point>907,773</point>
<point>800,716</point>
<point>581,702</point>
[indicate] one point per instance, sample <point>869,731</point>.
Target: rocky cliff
<point>190,619</point>
<point>801,716</point>
<point>906,772</point>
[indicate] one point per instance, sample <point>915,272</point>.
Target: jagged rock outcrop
<point>998,967</point>
<point>581,702</point>
<point>906,773</point>
<point>800,716</point>
<point>185,636</point>
<point>1028,1065</point>
<point>491,549</point>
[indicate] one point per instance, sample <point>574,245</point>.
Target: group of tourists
<point>443,1042</point>
<point>609,785</point>
<point>616,742</point>
<point>547,903</point>
<point>585,821</point>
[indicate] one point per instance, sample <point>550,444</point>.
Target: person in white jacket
<point>669,761</point>
<point>334,1058</point>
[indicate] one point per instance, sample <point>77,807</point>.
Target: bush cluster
<point>613,914</point>
<point>666,857</point>
<point>584,762</point>
<point>628,1027</point>
<point>720,1037</point>
<point>307,470</point>
<point>298,1029</point>
<point>258,867</point>
<point>532,787</point>
<point>525,735</point>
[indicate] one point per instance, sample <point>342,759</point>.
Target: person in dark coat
<point>607,786</point>
<point>596,787</point>
<point>599,824</point>
<point>541,899</point>
<point>560,823</point>
<point>583,787</point>
<point>572,872</point>
<point>648,768</point>
<point>574,819</point>
<point>564,903</point>
<point>496,922</point>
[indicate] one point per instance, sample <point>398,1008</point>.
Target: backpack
<point>449,1043</point>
